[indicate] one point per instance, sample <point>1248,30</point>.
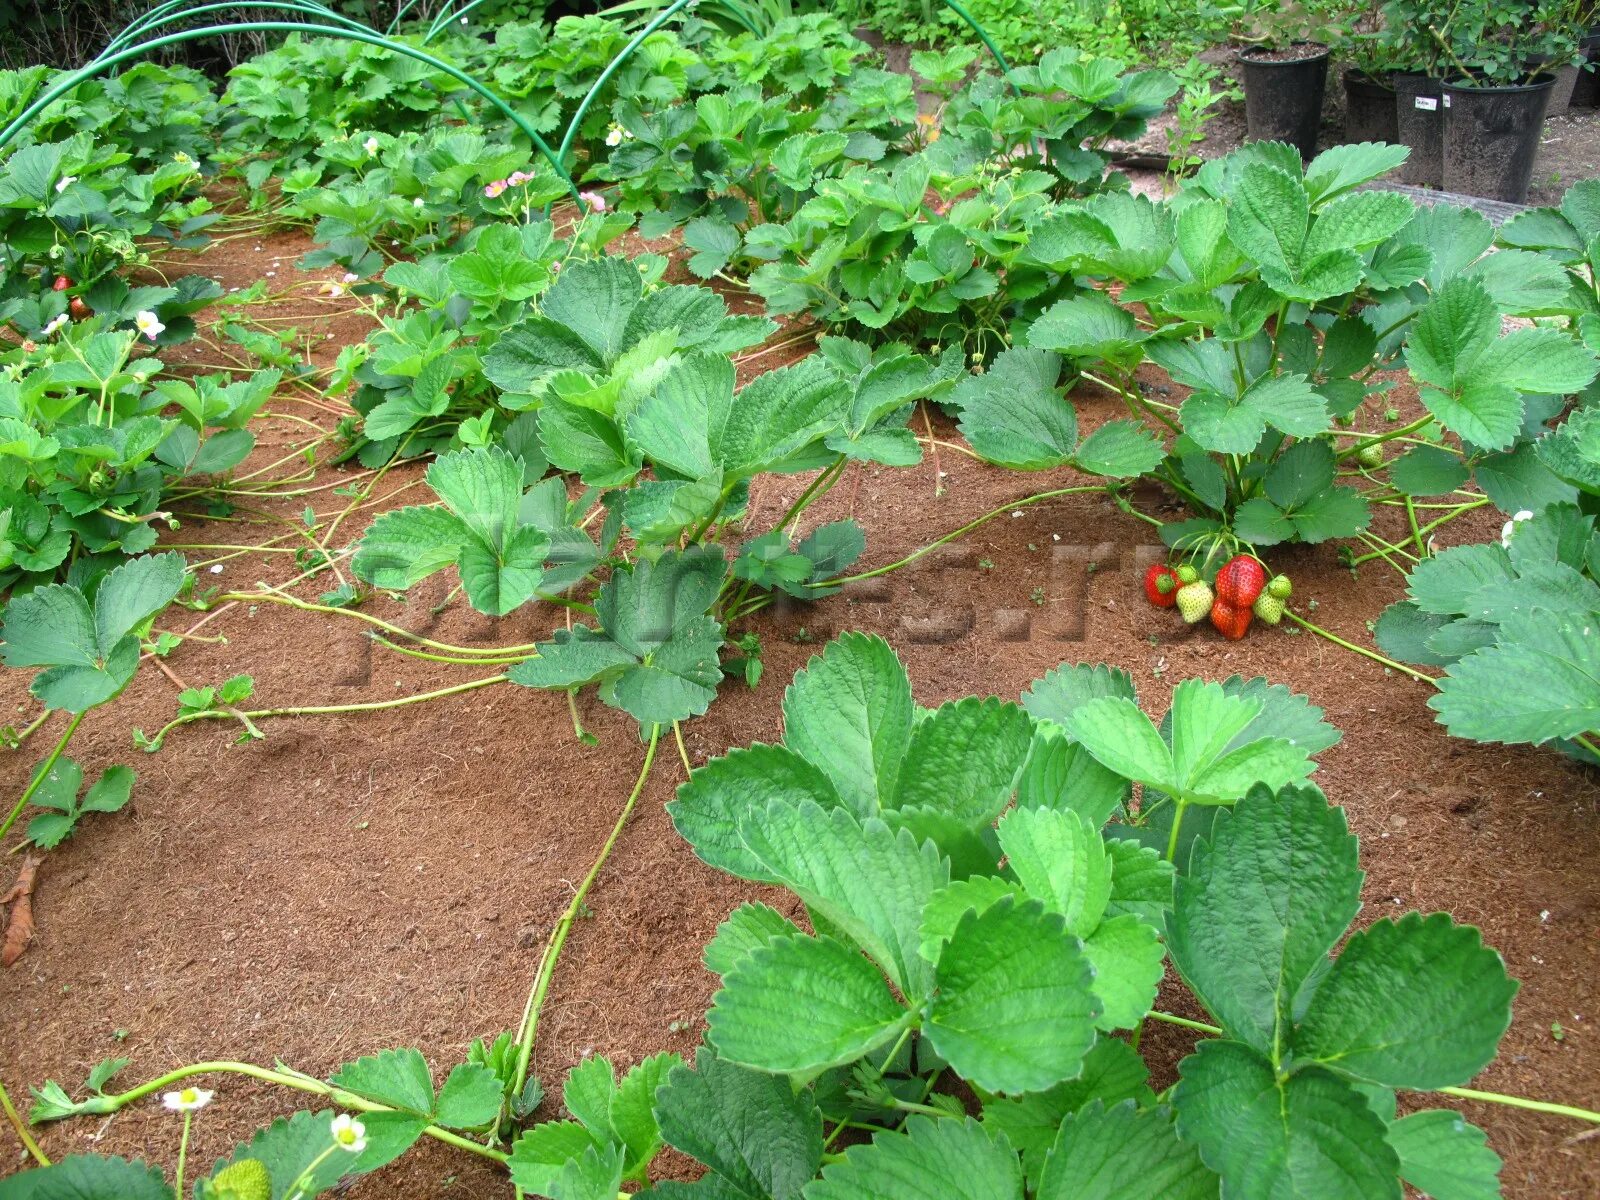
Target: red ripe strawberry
<point>1239,582</point>
<point>1161,584</point>
<point>79,309</point>
<point>1230,620</point>
<point>61,284</point>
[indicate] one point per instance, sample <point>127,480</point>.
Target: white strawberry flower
<point>1510,527</point>
<point>349,1134</point>
<point>149,324</point>
<point>65,182</point>
<point>55,326</point>
<point>418,202</point>
<point>614,136</point>
<point>188,1100</point>
<point>371,145</point>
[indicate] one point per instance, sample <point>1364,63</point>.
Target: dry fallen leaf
<point>19,932</point>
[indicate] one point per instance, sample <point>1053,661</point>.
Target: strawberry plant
<point>74,210</point>
<point>1513,624</point>
<point>90,455</point>
<point>87,637</point>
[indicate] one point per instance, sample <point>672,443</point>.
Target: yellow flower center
<point>188,1095</point>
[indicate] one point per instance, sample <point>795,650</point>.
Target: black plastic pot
<point>1586,91</point>
<point>1419,125</point>
<point>1283,100</point>
<point>1369,109</point>
<point>1491,137</point>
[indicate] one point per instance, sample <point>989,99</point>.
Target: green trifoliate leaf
<point>1473,380</point>
<point>964,759</point>
<point>656,653</point>
<point>1208,761</point>
<point>1572,452</point>
<point>289,1147</point>
<point>1416,1003</point>
<point>929,1160</point>
<point>1015,1010</point>
<point>90,651</point>
<point>1259,908</point>
<point>760,1137</point>
<point>397,1078</point>
<point>1233,424</point>
<point>800,1004</point>
<point>1015,415</point>
<point>1121,1153</point>
<point>1301,502</point>
<point>849,712</point>
<point>1119,450</point>
<point>91,1177</point>
<point>564,1161</point>
<point>1060,860</point>
<point>1202,233</point>
<point>1114,235</point>
<point>1540,681</point>
<point>1112,1072</point>
<point>748,927</point>
<point>1090,327</point>
<point>479,530</point>
<point>1445,1157</point>
<point>1306,1134</point>
<point>869,883</point>
<point>718,796</point>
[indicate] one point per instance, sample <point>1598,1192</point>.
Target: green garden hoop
<point>104,63</point>
<point>173,10</point>
<point>177,10</point>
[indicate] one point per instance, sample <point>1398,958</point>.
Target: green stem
<point>1543,1106</point>
<point>1177,823</point>
<point>965,529</point>
<point>1362,650</point>
<point>277,597</point>
<point>289,1079</point>
<point>1184,1022</point>
<point>15,1118</point>
<point>39,775</point>
<point>183,1150</point>
<point>552,951</point>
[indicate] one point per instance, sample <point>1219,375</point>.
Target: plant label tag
<point>1427,103</point>
<point>1447,99</point>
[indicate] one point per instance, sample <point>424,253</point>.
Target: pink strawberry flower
<point>594,201</point>
<point>494,190</point>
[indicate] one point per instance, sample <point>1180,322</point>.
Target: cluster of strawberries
<point>1242,591</point>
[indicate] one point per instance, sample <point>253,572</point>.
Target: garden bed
<point>364,880</point>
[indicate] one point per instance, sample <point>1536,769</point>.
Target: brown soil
<point>1292,53</point>
<point>361,881</point>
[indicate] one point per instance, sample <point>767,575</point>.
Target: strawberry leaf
<point>1444,1156</point>
<point>758,1135</point>
<point>929,1160</point>
<point>801,1004</point>
<point>1305,1134</point>
<point>1417,1003</point>
<point>1014,1010</point>
<point>1261,905</point>
<point>1123,1153</point>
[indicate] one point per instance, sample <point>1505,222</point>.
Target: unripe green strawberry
<point>247,1179</point>
<point>1280,587</point>
<point>1269,608</point>
<point>1194,601</point>
<point>1186,573</point>
<point>1370,456</point>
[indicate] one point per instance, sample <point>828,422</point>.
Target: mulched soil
<point>361,881</point>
